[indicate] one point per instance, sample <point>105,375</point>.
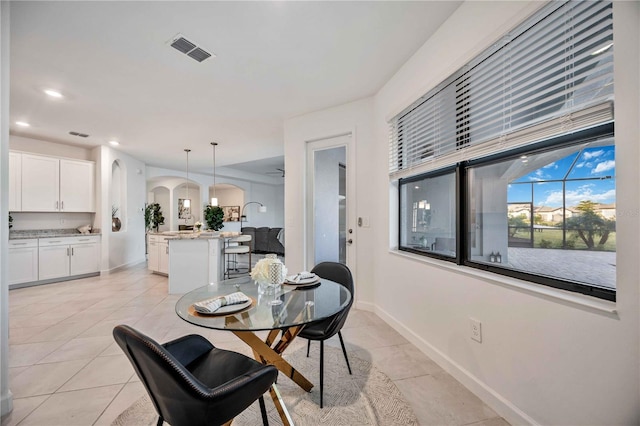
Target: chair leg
<point>344,351</point>
<point>263,410</point>
<point>308,347</point>
<point>321,369</point>
<point>160,421</point>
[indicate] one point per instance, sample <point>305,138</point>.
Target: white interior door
<point>330,203</point>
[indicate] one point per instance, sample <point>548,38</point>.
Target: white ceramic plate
<point>312,280</point>
<point>229,309</point>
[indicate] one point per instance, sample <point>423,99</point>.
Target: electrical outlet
<point>476,330</point>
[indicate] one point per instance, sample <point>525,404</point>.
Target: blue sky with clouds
<point>595,162</point>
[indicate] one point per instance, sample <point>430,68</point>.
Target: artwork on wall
<point>183,212</point>
<point>231,213</point>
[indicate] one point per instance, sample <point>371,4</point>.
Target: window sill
<point>565,297</point>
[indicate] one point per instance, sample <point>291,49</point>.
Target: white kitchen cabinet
<point>85,256</point>
<point>51,184</point>
<point>23,261</point>
<point>158,254</point>
<point>77,192</point>
<point>15,182</point>
<point>53,259</point>
<point>40,183</point>
<point>68,256</point>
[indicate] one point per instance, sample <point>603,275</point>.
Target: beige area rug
<point>368,397</point>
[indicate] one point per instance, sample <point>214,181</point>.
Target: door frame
<point>345,139</point>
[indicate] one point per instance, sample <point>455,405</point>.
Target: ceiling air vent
<point>82,135</point>
<point>189,48</point>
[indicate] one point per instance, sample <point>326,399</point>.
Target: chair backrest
<point>172,388</point>
<point>341,274</point>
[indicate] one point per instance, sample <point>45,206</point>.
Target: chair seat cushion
<point>220,366</point>
<point>237,249</point>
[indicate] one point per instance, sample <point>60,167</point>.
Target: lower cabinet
<point>68,256</point>
<point>23,261</point>
<point>158,254</point>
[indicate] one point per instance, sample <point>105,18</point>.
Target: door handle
<point>350,241</point>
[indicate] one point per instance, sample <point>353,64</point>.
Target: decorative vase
<point>115,224</point>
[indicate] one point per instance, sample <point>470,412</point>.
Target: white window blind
<point>551,75</point>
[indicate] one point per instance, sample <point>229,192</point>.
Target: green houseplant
<point>214,216</point>
<point>153,216</point>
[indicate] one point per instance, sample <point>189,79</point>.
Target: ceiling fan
<point>279,172</point>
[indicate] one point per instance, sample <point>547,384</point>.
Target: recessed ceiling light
<point>114,143</point>
<point>23,123</point>
<point>53,93</point>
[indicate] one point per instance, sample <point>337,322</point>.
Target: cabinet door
<point>77,186</point>
<point>15,182</point>
<point>23,265</point>
<point>53,261</point>
<point>153,256</point>
<point>84,259</point>
<point>40,183</point>
<point>163,258</point>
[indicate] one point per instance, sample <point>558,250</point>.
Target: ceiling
<point>121,80</point>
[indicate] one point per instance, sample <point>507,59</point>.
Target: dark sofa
<point>264,240</point>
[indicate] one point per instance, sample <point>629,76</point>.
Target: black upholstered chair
<point>190,382</point>
<point>327,328</point>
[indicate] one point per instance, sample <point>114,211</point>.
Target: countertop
<point>47,233</point>
<point>191,235</point>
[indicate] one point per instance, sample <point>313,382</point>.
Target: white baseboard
<point>124,266</point>
<point>488,395</point>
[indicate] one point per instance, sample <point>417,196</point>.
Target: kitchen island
<point>194,259</point>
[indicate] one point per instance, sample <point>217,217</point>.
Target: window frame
<point>457,171</point>
<point>462,257</point>
<point>577,138</point>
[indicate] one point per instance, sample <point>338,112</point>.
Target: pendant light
<point>187,200</point>
<point>214,199</point>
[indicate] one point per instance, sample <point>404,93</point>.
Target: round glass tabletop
<point>299,305</point>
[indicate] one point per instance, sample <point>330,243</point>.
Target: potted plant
<point>116,224</point>
<point>153,216</point>
<point>214,216</point>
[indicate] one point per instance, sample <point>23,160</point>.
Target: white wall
<point>547,356</point>
<point>126,247</point>
<point>355,117</point>
<point>37,146</point>
<point>6,398</point>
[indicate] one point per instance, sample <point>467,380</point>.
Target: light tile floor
<point>66,369</point>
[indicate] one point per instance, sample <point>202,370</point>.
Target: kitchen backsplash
<point>31,221</point>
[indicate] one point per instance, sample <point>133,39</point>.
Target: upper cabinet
<point>15,182</point>
<point>77,186</point>
<point>50,184</point>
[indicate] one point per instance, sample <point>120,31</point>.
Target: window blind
<point>551,75</point>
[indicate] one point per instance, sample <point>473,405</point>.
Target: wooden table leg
<point>270,356</point>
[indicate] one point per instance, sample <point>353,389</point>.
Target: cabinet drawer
<point>46,242</point>
<point>89,239</point>
<point>26,243</point>
<point>84,240</point>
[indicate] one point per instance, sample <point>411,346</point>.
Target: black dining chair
<point>191,382</point>
<point>328,327</point>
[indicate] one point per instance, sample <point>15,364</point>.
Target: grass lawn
<point>553,239</point>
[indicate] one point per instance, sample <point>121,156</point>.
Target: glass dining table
<point>282,313</point>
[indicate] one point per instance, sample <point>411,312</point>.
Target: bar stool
<point>233,248</point>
